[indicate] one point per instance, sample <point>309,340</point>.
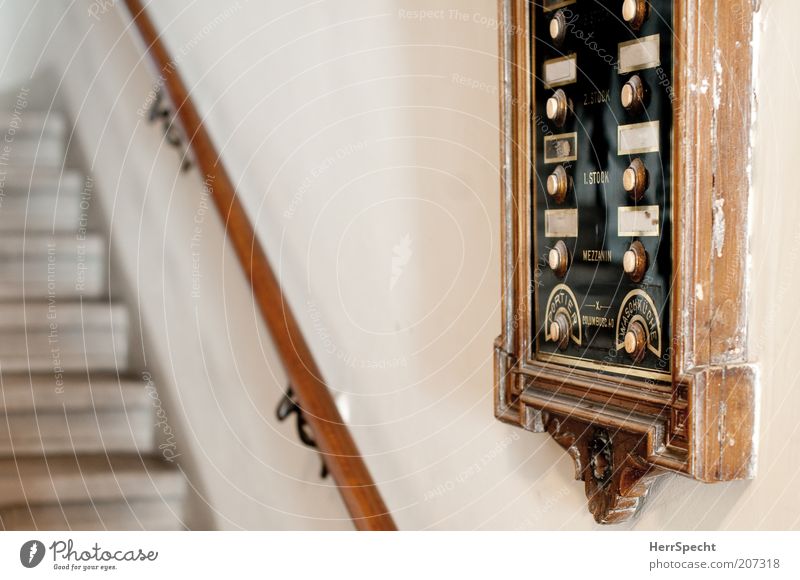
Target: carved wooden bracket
<point>610,462</point>
<point>617,480</point>
<point>625,425</point>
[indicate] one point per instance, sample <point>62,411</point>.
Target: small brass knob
<point>559,330</point>
<point>636,179</point>
<point>558,108</point>
<point>558,184</point>
<point>632,95</point>
<point>558,259</point>
<point>634,262</point>
<point>636,340</point>
<point>634,12</point>
<point>558,27</point>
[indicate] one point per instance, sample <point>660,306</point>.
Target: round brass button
<point>558,259</point>
<point>558,27</point>
<point>632,95</point>
<point>634,262</point>
<point>634,12</point>
<point>558,184</point>
<point>558,107</point>
<point>636,340</point>
<point>635,179</point>
<point>559,330</point>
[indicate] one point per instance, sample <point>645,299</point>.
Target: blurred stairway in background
<point>78,445</point>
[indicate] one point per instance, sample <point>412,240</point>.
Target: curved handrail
<point>335,444</point>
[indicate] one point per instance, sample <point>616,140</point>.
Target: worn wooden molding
<point>705,424</point>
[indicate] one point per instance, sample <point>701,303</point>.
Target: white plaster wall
<point>24,28</point>
<point>364,141</point>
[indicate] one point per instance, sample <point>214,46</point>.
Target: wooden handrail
<point>333,439</point>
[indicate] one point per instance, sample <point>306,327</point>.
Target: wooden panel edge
<point>724,423</point>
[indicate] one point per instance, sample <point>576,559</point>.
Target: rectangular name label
<point>561,223</point>
<point>560,71</point>
<point>640,54</point>
<point>638,221</point>
<point>560,148</point>
<point>639,138</point>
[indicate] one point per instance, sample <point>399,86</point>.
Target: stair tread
<point>117,515</point>
<point>38,198</point>
<point>46,392</point>
<point>38,266</point>
<point>67,479</point>
<point>99,431</point>
<point>87,463</point>
<point>86,313</point>
<point>21,178</point>
<point>63,336</point>
<point>49,123</point>
<point>16,246</point>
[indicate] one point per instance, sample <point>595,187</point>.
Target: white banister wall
<point>363,136</point>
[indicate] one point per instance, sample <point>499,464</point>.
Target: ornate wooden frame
<point>622,434</point>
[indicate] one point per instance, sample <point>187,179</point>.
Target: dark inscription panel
<point>597,219</point>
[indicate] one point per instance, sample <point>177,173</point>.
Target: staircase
<point>78,446</point>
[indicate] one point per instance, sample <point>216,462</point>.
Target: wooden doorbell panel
<point>626,146</point>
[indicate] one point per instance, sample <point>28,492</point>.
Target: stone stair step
<point>23,393</point>
<point>155,515</point>
<point>59,337</point>
<point>91,432</point>
<point>44,200</point>
<point>37,266</point>
<point>52,415</point>
<point>33,138</point>
<point>68,479</point>
<point>51,124</point>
